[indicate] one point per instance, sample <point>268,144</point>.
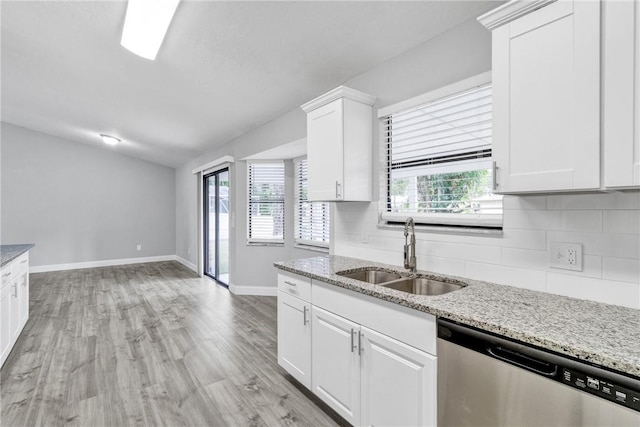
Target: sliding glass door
<point>216,225</point>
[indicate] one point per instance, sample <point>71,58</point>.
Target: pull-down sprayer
<point>410,246</point>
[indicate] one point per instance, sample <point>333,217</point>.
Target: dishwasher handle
<point>522,360</point>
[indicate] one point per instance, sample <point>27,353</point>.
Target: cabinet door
<point>621,93</point>
<point>325,152</point>
<point>336,364</point>
<point>294,337</point>
<point>7,329</point>
<point>398,383</point>
<point>23,299</point>
<point>546,99</point>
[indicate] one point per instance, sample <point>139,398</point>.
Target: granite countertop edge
<point>10,252</point>
<point>552,322</point>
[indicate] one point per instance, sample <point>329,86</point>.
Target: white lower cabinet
<point>294,337</point>
<point>8,316</point>
<point>14,303</point>
<point>371,361</point>
<point>335,363</point>
<point>398,382</point>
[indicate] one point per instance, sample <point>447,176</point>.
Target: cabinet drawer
<point>20,264</point>
<point>7,274</point>
<point>292,284</point>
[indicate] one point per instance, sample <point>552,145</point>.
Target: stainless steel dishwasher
<point>485,380</point>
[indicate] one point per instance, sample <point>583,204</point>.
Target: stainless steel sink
<point>423,286</point>
<point>371,275</point>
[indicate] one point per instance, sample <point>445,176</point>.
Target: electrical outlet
<point>139,248</point>
<point>567,256</point>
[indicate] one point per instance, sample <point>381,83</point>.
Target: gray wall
<point>454,55</point>
<point>80,203</point>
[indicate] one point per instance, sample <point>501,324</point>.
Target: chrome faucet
<point>410,246</point>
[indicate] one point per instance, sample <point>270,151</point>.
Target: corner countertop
<point>10,252</point>
<point>596,333</point>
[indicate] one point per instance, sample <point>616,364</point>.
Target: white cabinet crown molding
<point>510,11</point>
<point>337,93</point>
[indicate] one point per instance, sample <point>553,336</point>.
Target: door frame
<point>205,221</point>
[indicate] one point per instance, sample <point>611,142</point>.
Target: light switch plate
<point>567,256</point>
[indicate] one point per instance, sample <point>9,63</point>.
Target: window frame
<point>312,244</point>
<point>435,221</point>
<point>256,241</point>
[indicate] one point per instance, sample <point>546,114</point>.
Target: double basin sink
<point>412,285</point>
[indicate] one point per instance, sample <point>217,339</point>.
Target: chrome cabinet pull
<point>494,170</point>
<point>23,261</point>
<point>353,346</point>
<point>15,290</point>
<point>290,283</point>
<point>6,274</point>
<point>338,190</point>
<point>304,315</point>
<point>360,349</point>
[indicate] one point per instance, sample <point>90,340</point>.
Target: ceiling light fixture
<point>146,24</point>
<point>109,140</point>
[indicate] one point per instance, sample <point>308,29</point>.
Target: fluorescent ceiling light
<point>109,140</point>
<point>146,24</point>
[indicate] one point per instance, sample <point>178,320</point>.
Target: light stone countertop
<point>10,252</point>
<point>596,333</point>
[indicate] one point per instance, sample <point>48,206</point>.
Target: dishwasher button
<point>620,396</point>
<point>593,383</point>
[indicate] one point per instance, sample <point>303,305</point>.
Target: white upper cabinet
<point>546,95</point>
<point>621,93</point>
<point>339,146</point>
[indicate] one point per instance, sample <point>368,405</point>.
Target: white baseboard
<point>269,291</point>
<point>186,263</point>
<point>105,263</point>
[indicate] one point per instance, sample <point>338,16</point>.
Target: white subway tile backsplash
<point>578,220</point>
<point>627,200</point>
<point>453,267</point>
<point>607,225</point>
<point>518,277</point>
<point>621,221</point>
<point>479,253</point>
<point>524,202</point>
<point>603,244</point>
<point>621,269</point>
<point>525,258</point>
<point>607,291</point>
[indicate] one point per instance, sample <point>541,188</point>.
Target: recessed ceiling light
<point>146,24</point>
<point>109,140</point>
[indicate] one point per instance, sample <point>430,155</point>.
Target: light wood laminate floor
<point>148,344</point>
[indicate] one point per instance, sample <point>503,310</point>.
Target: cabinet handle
<point>494,170</point>
<point>6,274</point>
<point>353,347</point>
<point>290,283</point>
<point>360,349</point>
<point>338,190</point>
<point>23,261</point>
<point>15,290</point>
<point>24,281</point>
<point>304,315</point>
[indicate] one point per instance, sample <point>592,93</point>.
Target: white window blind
<point>439,168</point>
<point>266,202</point>
<point>312,219</point>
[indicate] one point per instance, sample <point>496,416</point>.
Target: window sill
<point>311,248</point>
<point>444,229</point>
<point>265,243</point>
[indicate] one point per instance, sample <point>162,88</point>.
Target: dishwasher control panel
<point>602,388</point>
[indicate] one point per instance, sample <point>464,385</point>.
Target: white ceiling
<point>224,68</point>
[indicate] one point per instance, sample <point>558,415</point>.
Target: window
<point>266,202</point>
<point>439,168</point>
<point>311,218</point>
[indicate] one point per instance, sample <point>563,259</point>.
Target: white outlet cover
<point>566,256</point>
